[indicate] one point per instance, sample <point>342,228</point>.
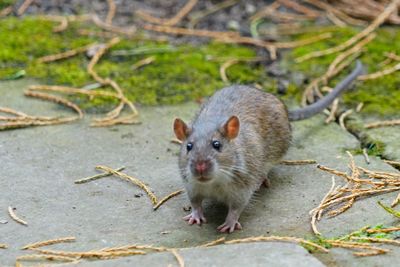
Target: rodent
<point>237,136</point>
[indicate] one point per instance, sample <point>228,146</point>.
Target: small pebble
<point>233,25</point>
<point>138,195</point>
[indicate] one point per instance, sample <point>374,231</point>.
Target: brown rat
<point>238,135</point>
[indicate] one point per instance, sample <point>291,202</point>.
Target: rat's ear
<point>231,128</point>
<point>181,130</point>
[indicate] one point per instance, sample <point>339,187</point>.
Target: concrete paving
<point>390,136</point>
<point>38,167</point>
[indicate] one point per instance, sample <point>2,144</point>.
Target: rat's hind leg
<point>197,215</point>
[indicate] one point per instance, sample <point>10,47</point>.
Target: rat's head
<point>208,150</point>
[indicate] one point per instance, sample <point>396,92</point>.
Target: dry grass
<point>277,239</point>
<point>178,257</point>
<point>358,37</point>
<point>298,162</point>
<point>172,21</point>
<point>49,242</point>
<point>360,183</point>
<point>379,124</point>
<point>96,177</point>
<point>166,198</point>
<point>134,180</point>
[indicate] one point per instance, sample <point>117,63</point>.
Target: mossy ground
<point>380,96</point>
<point>183,74</point>
<point>186,73</point>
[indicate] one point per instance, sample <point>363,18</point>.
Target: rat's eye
<point>189,146</point>
<point>216,145</point>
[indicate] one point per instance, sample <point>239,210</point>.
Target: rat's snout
<point>201,167</point>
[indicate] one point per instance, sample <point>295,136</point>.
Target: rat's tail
<point>308,111</point>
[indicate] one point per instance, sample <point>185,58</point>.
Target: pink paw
<point>196,217</point>
<point>229,226</point>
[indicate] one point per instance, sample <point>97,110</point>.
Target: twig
<point>329,9</point>
<point>66,54</point>
<point>178,257</point>
<point>55,99</point>
<point>230,62</point>
<point>172,21</point>
<point>222,69</point>
<point>298,162</point>
<point>308,92</point>
<point>343,117</point>
<point>379,124</point>
<point>378,240</point>
<point>365,154</point>
<point>332,17</point>
<point>62,20</point>
<point>379,74</point>
<point>143,62</point>
<point>335,172</point>
<point>166,198</point>
<point>356,245</point>
<point>213,243</point>
<point>317,212</point>
<point>21,10</point>
<point>384,230</point>
<point>359,107</point>
<point>95,177</point>
<point>91,254</point>
<point>35,257</point>
<point>372,27</point>
<point>71,90</point>
<point>13,112</point>
<point>393,56</point>
<point>49,242</point>
<point>196,17</point>
<point>6,11</point>
<point>15,217</point>
<point>359,194</point>
<point>129,32</point>
<point>233,37</point>
<point>277,238</point>
<point>300,8</point>
<point>134,180</point>
<point>111,120</point>
<point>390,210</point>
<point>393,163</point>
<point>111,11</point>
<point>332,113</point>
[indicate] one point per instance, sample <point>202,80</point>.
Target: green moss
<point>374,147</point>
<point>381,96</point>
<point>182,74</point>
<point>6,3</point>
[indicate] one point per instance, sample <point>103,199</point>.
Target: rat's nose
<point>201,166</point>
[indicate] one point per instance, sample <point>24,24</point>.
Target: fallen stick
<point>134,180</point>
<point>166,198</point>
<point>96,177</point>
<point>49,242</point>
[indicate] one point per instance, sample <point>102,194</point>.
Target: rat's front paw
<point>196,217</point>
<point>229,226</point>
